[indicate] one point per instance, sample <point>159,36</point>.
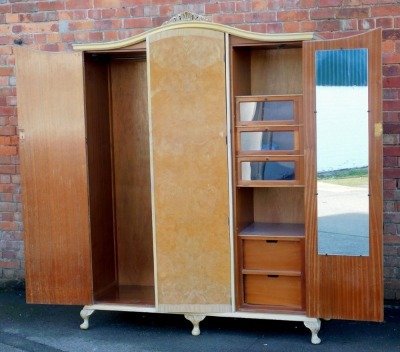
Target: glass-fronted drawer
<point>273,140</point>
<point>282,110</point>
<point>270,170</point>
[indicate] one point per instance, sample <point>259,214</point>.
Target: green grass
<point>348,177</point>
<point>351,181</point>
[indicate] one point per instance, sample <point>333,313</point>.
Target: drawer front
<point>270,170</point>
<point>263,109</point>
<point>269,140</point>
<point>272,255</point>
<point>275,291</point>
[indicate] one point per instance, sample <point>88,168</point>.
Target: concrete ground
<point>343,226</point>
<point>45,328</point>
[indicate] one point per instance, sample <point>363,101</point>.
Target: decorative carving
<point>314,326</point>
<point>195,319</point>
<point>187,17</point>
<point>85,314</point>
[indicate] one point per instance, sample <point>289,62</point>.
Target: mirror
<point>266,111</point>
<point>268,170</point>
<point>342,152</point>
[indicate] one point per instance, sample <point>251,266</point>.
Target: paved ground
<point>43,328</point>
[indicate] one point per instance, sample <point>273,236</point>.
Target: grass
<point>348,177</point>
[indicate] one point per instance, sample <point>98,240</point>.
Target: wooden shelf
<point>258,229</point>
<point>129,294</point>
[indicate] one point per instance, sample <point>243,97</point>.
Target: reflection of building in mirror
<point>257,141</point>
<point>342,109</point>
<point>266,111</point>
<point>269,171</point>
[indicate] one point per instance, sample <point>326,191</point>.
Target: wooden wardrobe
<point>142,193</point>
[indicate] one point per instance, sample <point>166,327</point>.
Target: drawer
<point>270,170</point>
<point>271,140</point>
<point>272,110</point>
<point>272,255</point>
<point>273,290</point>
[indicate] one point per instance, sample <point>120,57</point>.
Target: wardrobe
<point>176,172</point>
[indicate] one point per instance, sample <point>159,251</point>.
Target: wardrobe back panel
<point>276,71</point>
<point>99,165</point>
<point>132,172</point>
<point>279,205</point>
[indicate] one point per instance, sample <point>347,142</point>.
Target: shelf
<point>128,294</point>
<point>261,229</point>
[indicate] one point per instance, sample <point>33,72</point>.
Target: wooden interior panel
<point>190,172</point>
<point>240,72</point>
<point>54,177</point>
<point>272,255</point>
<point>100,178</point>
<point>276,71</point>
<point>244,208</point>
<point>343,286</point>
<point>279,205</point>
<point>132,172</point>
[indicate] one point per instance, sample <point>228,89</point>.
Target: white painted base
<point>195,319</point>
<point>314,324</point>
<point>85,314</point>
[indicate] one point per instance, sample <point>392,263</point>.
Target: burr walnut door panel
<point>190,170</point>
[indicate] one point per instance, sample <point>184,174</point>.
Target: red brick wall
<point>55,25</point>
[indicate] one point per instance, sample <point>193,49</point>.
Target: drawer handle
<point>273,276</point>
<point>271,241</point>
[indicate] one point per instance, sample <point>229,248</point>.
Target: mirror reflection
<point>275,140</point>
<point>342,152</point>
<point>266,111</point>
<point>268,171</point>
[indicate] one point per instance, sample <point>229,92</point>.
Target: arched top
<point>189,20</point>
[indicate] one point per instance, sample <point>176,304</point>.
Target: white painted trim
<point>194,308</point>
<point>262,37</point>
<point>230,185</point>
<point>121,308</point>
<point>153,211</point>
<point>314,324</point>
<point>264,316</point>
<point>237,314</point>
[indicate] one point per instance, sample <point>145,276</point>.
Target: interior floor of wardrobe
<point>129,295</point>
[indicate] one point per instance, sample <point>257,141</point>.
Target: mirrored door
<point>343,177</point>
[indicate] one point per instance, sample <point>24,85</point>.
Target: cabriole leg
<point>85,314</point>
<point>314,326</point>
<point>195,319</point>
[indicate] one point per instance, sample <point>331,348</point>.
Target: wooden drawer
<point>271,110</point>
<point>269,140</point>
<point>270,170</point>
<point>273,255</point>
<point>273,290</point>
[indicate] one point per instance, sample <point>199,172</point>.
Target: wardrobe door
<point>54,177</point>
<point>344,242</point>
<point>190,170</point>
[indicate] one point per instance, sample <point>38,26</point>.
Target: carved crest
<point>186,17</point>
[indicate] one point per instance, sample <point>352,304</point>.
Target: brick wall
<point>55,25</point>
